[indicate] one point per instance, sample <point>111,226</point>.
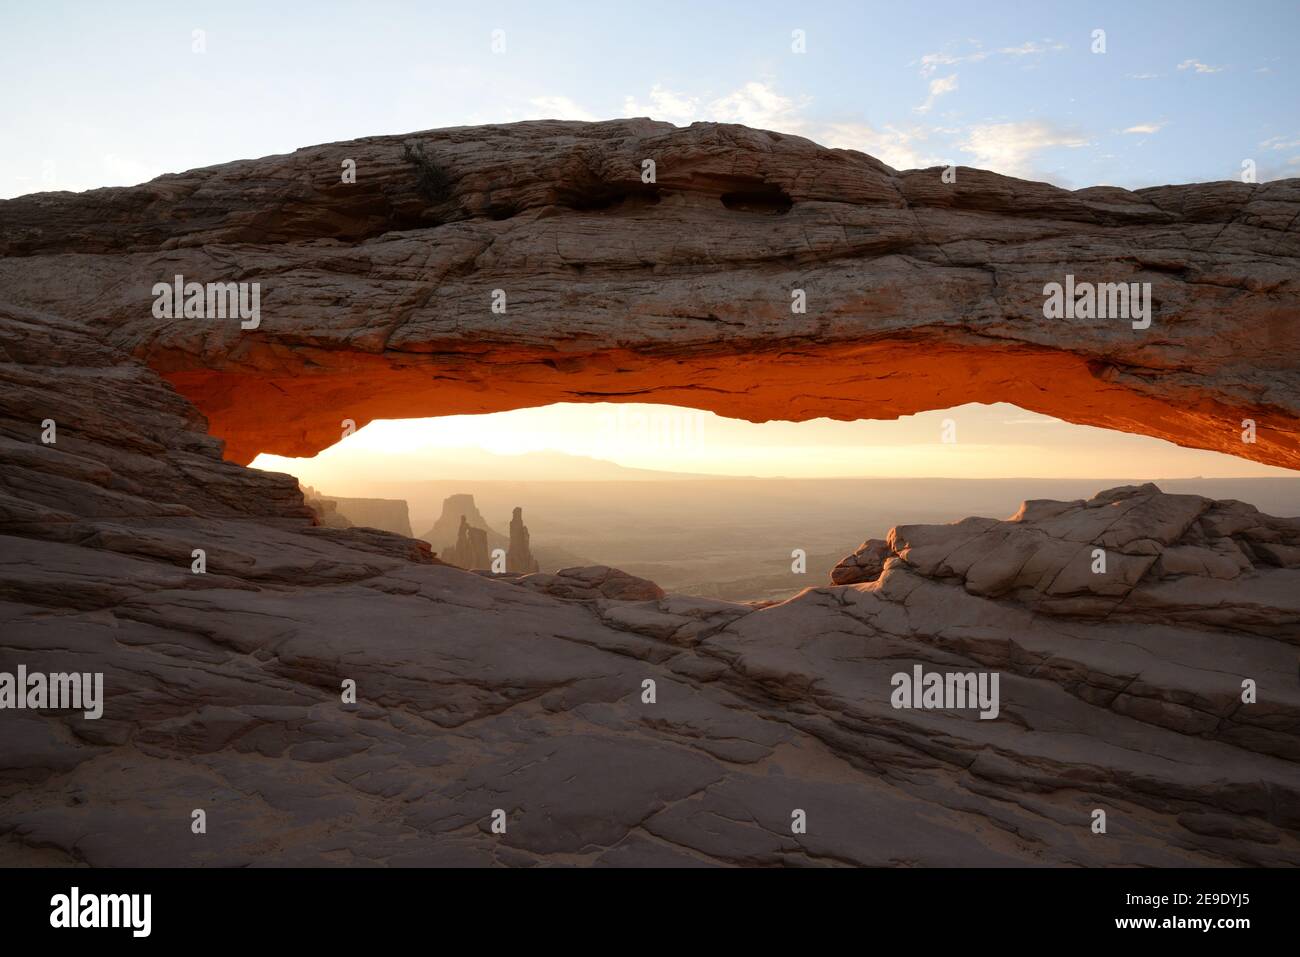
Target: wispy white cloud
<point>1280,143</point>
<point>758,105</point>
<point>677,108</point>
<point>938,88</point>
<point>1033,47</point>
<point>901,149</point>
<point>754,104</point>
<point>931,62</point>
<point>558,108</point>
<point>1147,127</point>
<point>1010,148</point>
<point>1199,67</point>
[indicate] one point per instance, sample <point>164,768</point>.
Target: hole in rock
<point>767,199</point>
<point>710,506</point>
<point>614,197</point>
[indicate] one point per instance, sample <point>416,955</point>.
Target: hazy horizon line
<point>709,477</point>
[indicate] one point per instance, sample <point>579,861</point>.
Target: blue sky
<point>112,94</point>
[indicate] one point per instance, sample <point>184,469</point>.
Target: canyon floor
<point>719,537</point>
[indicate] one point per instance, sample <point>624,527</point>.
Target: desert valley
<point>723,537</point>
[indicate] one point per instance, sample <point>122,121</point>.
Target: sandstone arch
<point>921,294</point>
<point>376,305</point>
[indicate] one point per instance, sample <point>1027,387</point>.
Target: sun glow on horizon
<point>969,441</point>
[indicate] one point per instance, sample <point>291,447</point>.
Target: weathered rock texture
<point>920,294</point>
<point>594,582</point>
<point>519,557</point>
<point>1132,552</point>
<point>526,694</point>
<point>325,509</point>
<point>1121,691</point>
<point>471,548</point>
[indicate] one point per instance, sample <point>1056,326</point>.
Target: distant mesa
<point>472,542</point>
<point>446,530</point>
<point>386,514</point>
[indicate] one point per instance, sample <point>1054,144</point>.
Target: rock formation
<point>519,558</point>
<point>594,582</point>
<point>457,509</point>
<point>386,514</point>
<point>325,509</point>
<point>468,548</point>
<point>864,565</point>
<point>471,548</point>
<point>1131,553</point>
<point>919,294</point>
<point>526,693</point>
<point>1124,689</point>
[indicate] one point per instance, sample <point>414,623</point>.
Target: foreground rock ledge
<point>920,294</point>
<point>1119,691</point>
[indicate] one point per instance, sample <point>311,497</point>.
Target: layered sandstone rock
<point>864,565</point>
<point>377,302</point>
<point>1133,553</point>
<point>593,582</point>
<point>615,724</point>
<point>474,694</point>
<point>326,509</point>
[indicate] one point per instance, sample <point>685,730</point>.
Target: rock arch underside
<point>1119,691</point>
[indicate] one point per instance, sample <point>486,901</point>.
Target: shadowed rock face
<point>920,294</point>
<point>592,583</point>
<point>471,548</point>
<point>222,692</point>
<point>1120,690</point>
<point>1132,553</point>
<point>519,558</point>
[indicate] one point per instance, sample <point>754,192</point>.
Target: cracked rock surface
<point>920,294</point>
<point>1119,690</point>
